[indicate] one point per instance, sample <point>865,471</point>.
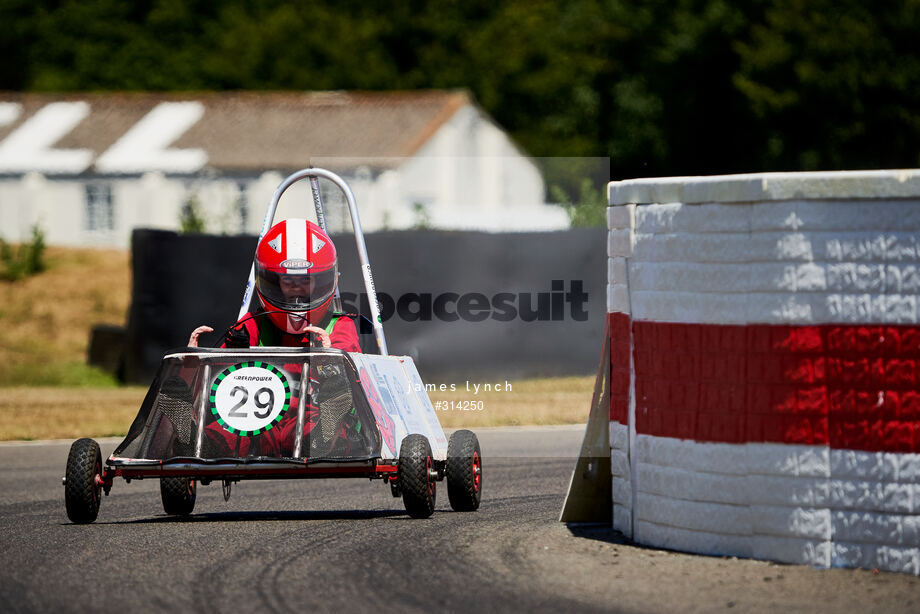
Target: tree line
<point>661,87</point>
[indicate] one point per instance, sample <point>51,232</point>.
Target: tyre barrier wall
<point>765,361</point>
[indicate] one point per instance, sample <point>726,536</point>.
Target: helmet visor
<point>296,292</point>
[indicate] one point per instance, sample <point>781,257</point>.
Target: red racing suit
<point>340,328</point>
<point>261,332</point>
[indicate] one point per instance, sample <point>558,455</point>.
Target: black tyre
<point>81,490</point>
<point>178,495</point>
<point>464,471</point>
<point>414,475</point>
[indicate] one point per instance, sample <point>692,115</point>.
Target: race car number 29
<point>250,398</point>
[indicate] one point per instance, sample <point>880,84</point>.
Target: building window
<point>100,211</point>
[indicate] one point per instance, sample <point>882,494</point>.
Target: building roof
<point>241,131</point>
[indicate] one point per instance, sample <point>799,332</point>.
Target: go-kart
<point>225,415</point>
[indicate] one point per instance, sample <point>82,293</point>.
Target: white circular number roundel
<point>250,398</point>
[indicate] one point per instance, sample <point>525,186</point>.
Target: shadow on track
<point>264,516</point>
<point>599,532</point>
<point>607,534</point>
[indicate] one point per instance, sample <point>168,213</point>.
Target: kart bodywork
<point>278,409</point>
<point>227,415</point>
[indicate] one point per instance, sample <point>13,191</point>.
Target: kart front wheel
<point>82,489</point>
<point>178,495</point>
<point>464,471</point>
<point>415,476</point>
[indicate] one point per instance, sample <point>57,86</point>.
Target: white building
<point>88,168</point>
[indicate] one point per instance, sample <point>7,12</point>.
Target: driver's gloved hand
<point>237,337</point>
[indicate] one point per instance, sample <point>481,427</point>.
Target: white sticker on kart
<point>400,402</point>
<point>250,398</point>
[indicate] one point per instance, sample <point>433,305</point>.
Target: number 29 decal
<point>250,398</point>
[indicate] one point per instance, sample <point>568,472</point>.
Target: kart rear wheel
<point>82,491</point>
<point>415,476</point>
<point>464,471</point>
<point>178,495</point>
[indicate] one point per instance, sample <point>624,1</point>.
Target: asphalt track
<point>347,546</point>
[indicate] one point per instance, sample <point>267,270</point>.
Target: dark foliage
<point>660,87</point>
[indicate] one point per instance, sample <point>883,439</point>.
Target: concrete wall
<point>765,357</point>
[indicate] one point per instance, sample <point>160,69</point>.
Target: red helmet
<point>296,274</point>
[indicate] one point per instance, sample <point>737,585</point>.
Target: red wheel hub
<point>477,471</point>
<point>97,480</point>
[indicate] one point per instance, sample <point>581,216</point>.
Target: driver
<point>296,275</point>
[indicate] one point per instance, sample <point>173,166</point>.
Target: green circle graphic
<point>257,363</point>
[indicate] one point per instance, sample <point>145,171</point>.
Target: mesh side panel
<point>130,447</point>
<point>179,413</point>
<point>175,402</point>
<point>331,412</point>
<point>345,427</point>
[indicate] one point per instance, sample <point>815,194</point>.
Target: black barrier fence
<point>465,305</point>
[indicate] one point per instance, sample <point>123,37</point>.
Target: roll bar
<point>314,174</point>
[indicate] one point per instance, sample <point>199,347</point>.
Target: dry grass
<point>70,412</point>
<point>67,413</point>
<point>560,400</point>
<point>45,319</point>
